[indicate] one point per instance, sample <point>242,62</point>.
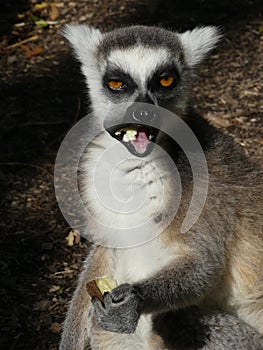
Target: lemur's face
<point>140,68</point>
<point>143,78</point>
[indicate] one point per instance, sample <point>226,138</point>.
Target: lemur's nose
<point>144,109</point>
<point>144,113</point>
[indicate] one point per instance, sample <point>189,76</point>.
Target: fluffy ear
<point>198,42</point>
<point>84,40</point>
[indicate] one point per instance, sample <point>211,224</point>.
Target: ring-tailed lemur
<point>196,290</point>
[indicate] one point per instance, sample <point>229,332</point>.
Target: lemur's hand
<point>121,310</point>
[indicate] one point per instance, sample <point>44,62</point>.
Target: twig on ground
<point>32,38</point>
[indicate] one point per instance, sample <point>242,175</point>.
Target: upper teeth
<point>130,134</point>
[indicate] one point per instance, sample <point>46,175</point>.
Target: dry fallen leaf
<point>217,119</point>
<point>11,59</point>
<point>73,238</point>
<point>54,12</point>
<point>37,51</point>
<point>27,50</point>
<point>54,289</point>
<point>34,52</point>
<point>55,328</point>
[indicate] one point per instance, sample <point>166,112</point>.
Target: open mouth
<point>139,139</point>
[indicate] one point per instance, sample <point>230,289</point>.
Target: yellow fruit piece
<point>105,284</point>
<point>130,134</point>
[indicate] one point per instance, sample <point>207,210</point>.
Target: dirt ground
<point>42,96</point>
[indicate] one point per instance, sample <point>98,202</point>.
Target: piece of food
<point>101,285</point>
<point>129,134</point>
<point>106,284</point>
<point>93,290</point>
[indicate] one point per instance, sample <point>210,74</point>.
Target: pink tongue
<point>141,142</point>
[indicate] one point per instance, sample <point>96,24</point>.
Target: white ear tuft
<point>84,40</point>
<point>198,42</point>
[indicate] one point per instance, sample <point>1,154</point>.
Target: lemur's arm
<point>179,284</point>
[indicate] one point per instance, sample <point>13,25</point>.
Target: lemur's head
<point>139,64</point>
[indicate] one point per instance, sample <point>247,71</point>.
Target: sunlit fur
<point>218,263</point>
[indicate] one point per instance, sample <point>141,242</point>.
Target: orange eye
<point>166,82</point>
<point>115,85</point>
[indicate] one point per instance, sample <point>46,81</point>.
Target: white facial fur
<point>139,61</point>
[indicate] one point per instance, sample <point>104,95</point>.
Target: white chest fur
<point>137,263</point>
<point>131,199</point>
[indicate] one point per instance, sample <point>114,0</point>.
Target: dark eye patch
<point>163,72</point>
<point>115,74</point>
